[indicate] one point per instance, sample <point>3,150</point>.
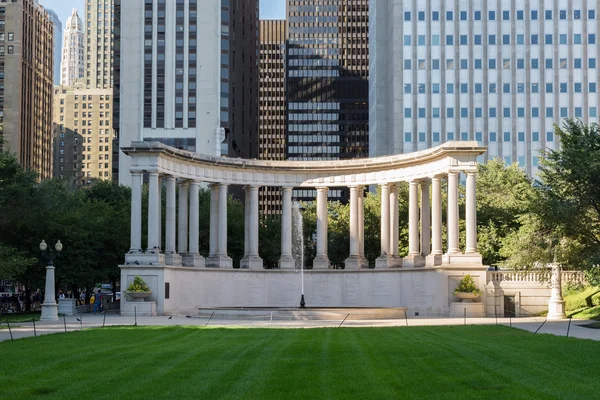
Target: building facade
<point>271,109</point>
<point>26,76</point>
<point>99,54</point>
<point>170,65</point>
<point>72,64</point>
<point>58,36</point>
<point>499,72</point>
<point>327,82</point>
<point>83,135</point>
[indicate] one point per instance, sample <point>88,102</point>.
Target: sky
<point>269,9</point>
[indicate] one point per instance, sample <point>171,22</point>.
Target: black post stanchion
<point>465,316</point>
<point>496,312</point>
<point>65,322</point>
<point>569,326</point>
<point>209,318</point>
<point>34,330</point>
<point>104,320</point>
<point>536,331</point>
<point>343,320</point>
<point>135,315</point>
<point>9,330</point>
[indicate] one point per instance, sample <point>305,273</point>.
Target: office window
<point>521,160</point>
<point>506,15</point>
<point>534,15</point>
<point>549,88</point>
<point>548,14</point>
<point>577,87</point>
<point>506,112</point>
<point>562,14</point>
<point>534,39</point>
<point>435,16</point>
<point>492,63</point>
<point>464,136</point>
<point>576,14</point>
<point>463,39</point>
<point>477,15</point>
<point>421,40</point>
<point>535,136</point>
<point>592,87</point>
<point>578,112</point>
<point>592,112</point>
<point>479,136</point>
<point>535,112</point>
<point>535,88</point>
<point>562,39</point>
<point>577,38</point>
<point>407,112</point>
<point>435,88</point>
<point>449,16</point>
<point>450,112</point>
<point>421,137</point>
<point>505,39</point>
<point>492,15</point>
<point>407,137</point>
<point>521,136</point>
<point>506,63</point>
<point>435,137</point>
<point>592,38</point>
<point>477,39</point>
<point>449,40</point>
<point>520,112</point>
<point>421,64</point>
<point>592,63</point>
<point>491,39</point>
<point>548,39</point>
<point>435,112</point>
<point>549,63</point>
<point>449,88</point>
<point>492,136</point>
<point>478,112</point>
<point>520,15</point>
<point>407,64</point>
<point>506,137</point>
<point>562,63</point>
<point>549,112</point>
<point>520,39</point>
<point>478,88</point>
<point>506,88</point>
<point>463,15</point>
<point>407,88</point>
<point>577,63</point>
<point>549,136</point>
<point>421,87</point>
<point>564,112</point>
<point>407,40</point>
<point>464,88</point>
<point>421,112</point>
<point>535,161</point>
<point>435,40</point>
<point>520,88</point>
<point>421,15</point>
<point>464,63</point>
<point>492,88</point>
<point>563,87</point>
<point>492,112</point>
<point>450,136</point>
<point>535,64</point>
<point>435,64</point>
<point>591,14</point>
<point>450,64</point>
<point>520,63</point>
<point>407,15</point>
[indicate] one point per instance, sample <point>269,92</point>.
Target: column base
<point>287,262</point>
<point>556,309</point>
<point>251,262</point>
<point>414,261</point>
<point>49,312</point>
<point>192,260</point>
<point>145,258</point>
<point>433,260</point>
<point>460,258</point>
<point>363,262</point>
<point>352,262</point>
<point>173,259</point>
<point>218,261</point>
<point>321,262</point>
<point>387,261</point>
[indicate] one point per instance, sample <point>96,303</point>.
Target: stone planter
<point>138,296</point>
<point>467,297</point>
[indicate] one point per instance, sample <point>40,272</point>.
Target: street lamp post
<point>50,308</point>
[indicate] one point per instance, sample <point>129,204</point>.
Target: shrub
<point>138,285</point>
<point>467,285</point>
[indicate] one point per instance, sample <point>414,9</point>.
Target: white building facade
<point>72,65</point>
<point>499,72</point>
<point>170,75</point>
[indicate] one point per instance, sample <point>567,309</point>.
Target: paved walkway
<point>22,330</point>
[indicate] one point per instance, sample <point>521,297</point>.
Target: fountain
<point>298,245</point>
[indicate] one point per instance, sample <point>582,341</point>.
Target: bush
<point>467,285</point>
<point>138,286</point>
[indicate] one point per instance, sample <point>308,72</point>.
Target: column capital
<point>169,178</point>
<point>353,188</point>
<point>321,188</point>
<point>287,188</point>
<point>221,184</point>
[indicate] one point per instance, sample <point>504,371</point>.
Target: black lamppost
<point>50,308</point>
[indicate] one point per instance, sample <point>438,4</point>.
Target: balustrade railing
<point>534,276</point>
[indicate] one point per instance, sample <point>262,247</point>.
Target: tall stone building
<point>72,64</point>
<point>58,37</point>
<point>83,134</point>
<point>99,53</point>
<point>271,110</point>
<point>327,83</point>
<point>26,76</point>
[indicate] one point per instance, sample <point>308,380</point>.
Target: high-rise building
<point>26,72</point>
<point>73,50</point>
<point>327,83</point>
<point>271,110</point>
<point>243,78</point>
<point>499,72</point>
<point>225,28</point>
<point>58,35</point>
<point>99,30</point>
<point>83,137</point>
<point>172,91</point>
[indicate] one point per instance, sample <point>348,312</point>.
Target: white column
<point>425,220</point>
<point>471,214</point>
<point>182,218</point>
<point>159,210</point>
<point>286,260</point>
<point>222,246</point>
<point>170,230</point>
<point>49,307</point>
<point>136,213</point>
<point>361,222</point>
<point>394,220</point>
<point>247,207</point>
<point>321,260</point>
<point>194,225</point>
<point>453,213</point>
<point>385,218</point>
<point>153,213</point>
<point>436,215</point>
<point>214,220</point>
<point>354,221</point>
<point>413,218</point>
<point>253,220</point>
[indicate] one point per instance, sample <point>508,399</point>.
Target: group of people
<point>17,302</point>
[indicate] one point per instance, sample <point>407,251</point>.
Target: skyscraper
<point>73,50</point>
<point>327,82</point>
<point>58,35</point>
<point>172,92</point>
<point>26,72</point>
<point>271,109</point>
<point>499,72</point>
<point>99,30</point>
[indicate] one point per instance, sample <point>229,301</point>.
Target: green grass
<point>19,317</point>
<point>473,362</point>
<point>583,304</point>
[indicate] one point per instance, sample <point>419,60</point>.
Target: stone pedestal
<point>49,308</point>
<point>218,262</point>
<point>173,259</point>
<point>414,261</point>
<point>251,262</point>
<point>66,306</point>
<point>461,259</point>
<point>321,262</point>
<point>556,309</point>
<point>433,260</point>
<point>139,308</point>
<point>145,258</point>
<point>193,260</point>
<point>287,262</point>
<point>384,261</point>
<point>474,310</point>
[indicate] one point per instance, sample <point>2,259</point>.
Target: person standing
<point>98,302</point>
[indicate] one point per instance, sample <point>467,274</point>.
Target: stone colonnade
<point>424,225</point>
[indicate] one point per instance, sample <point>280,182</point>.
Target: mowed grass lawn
<point>472,362</point>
